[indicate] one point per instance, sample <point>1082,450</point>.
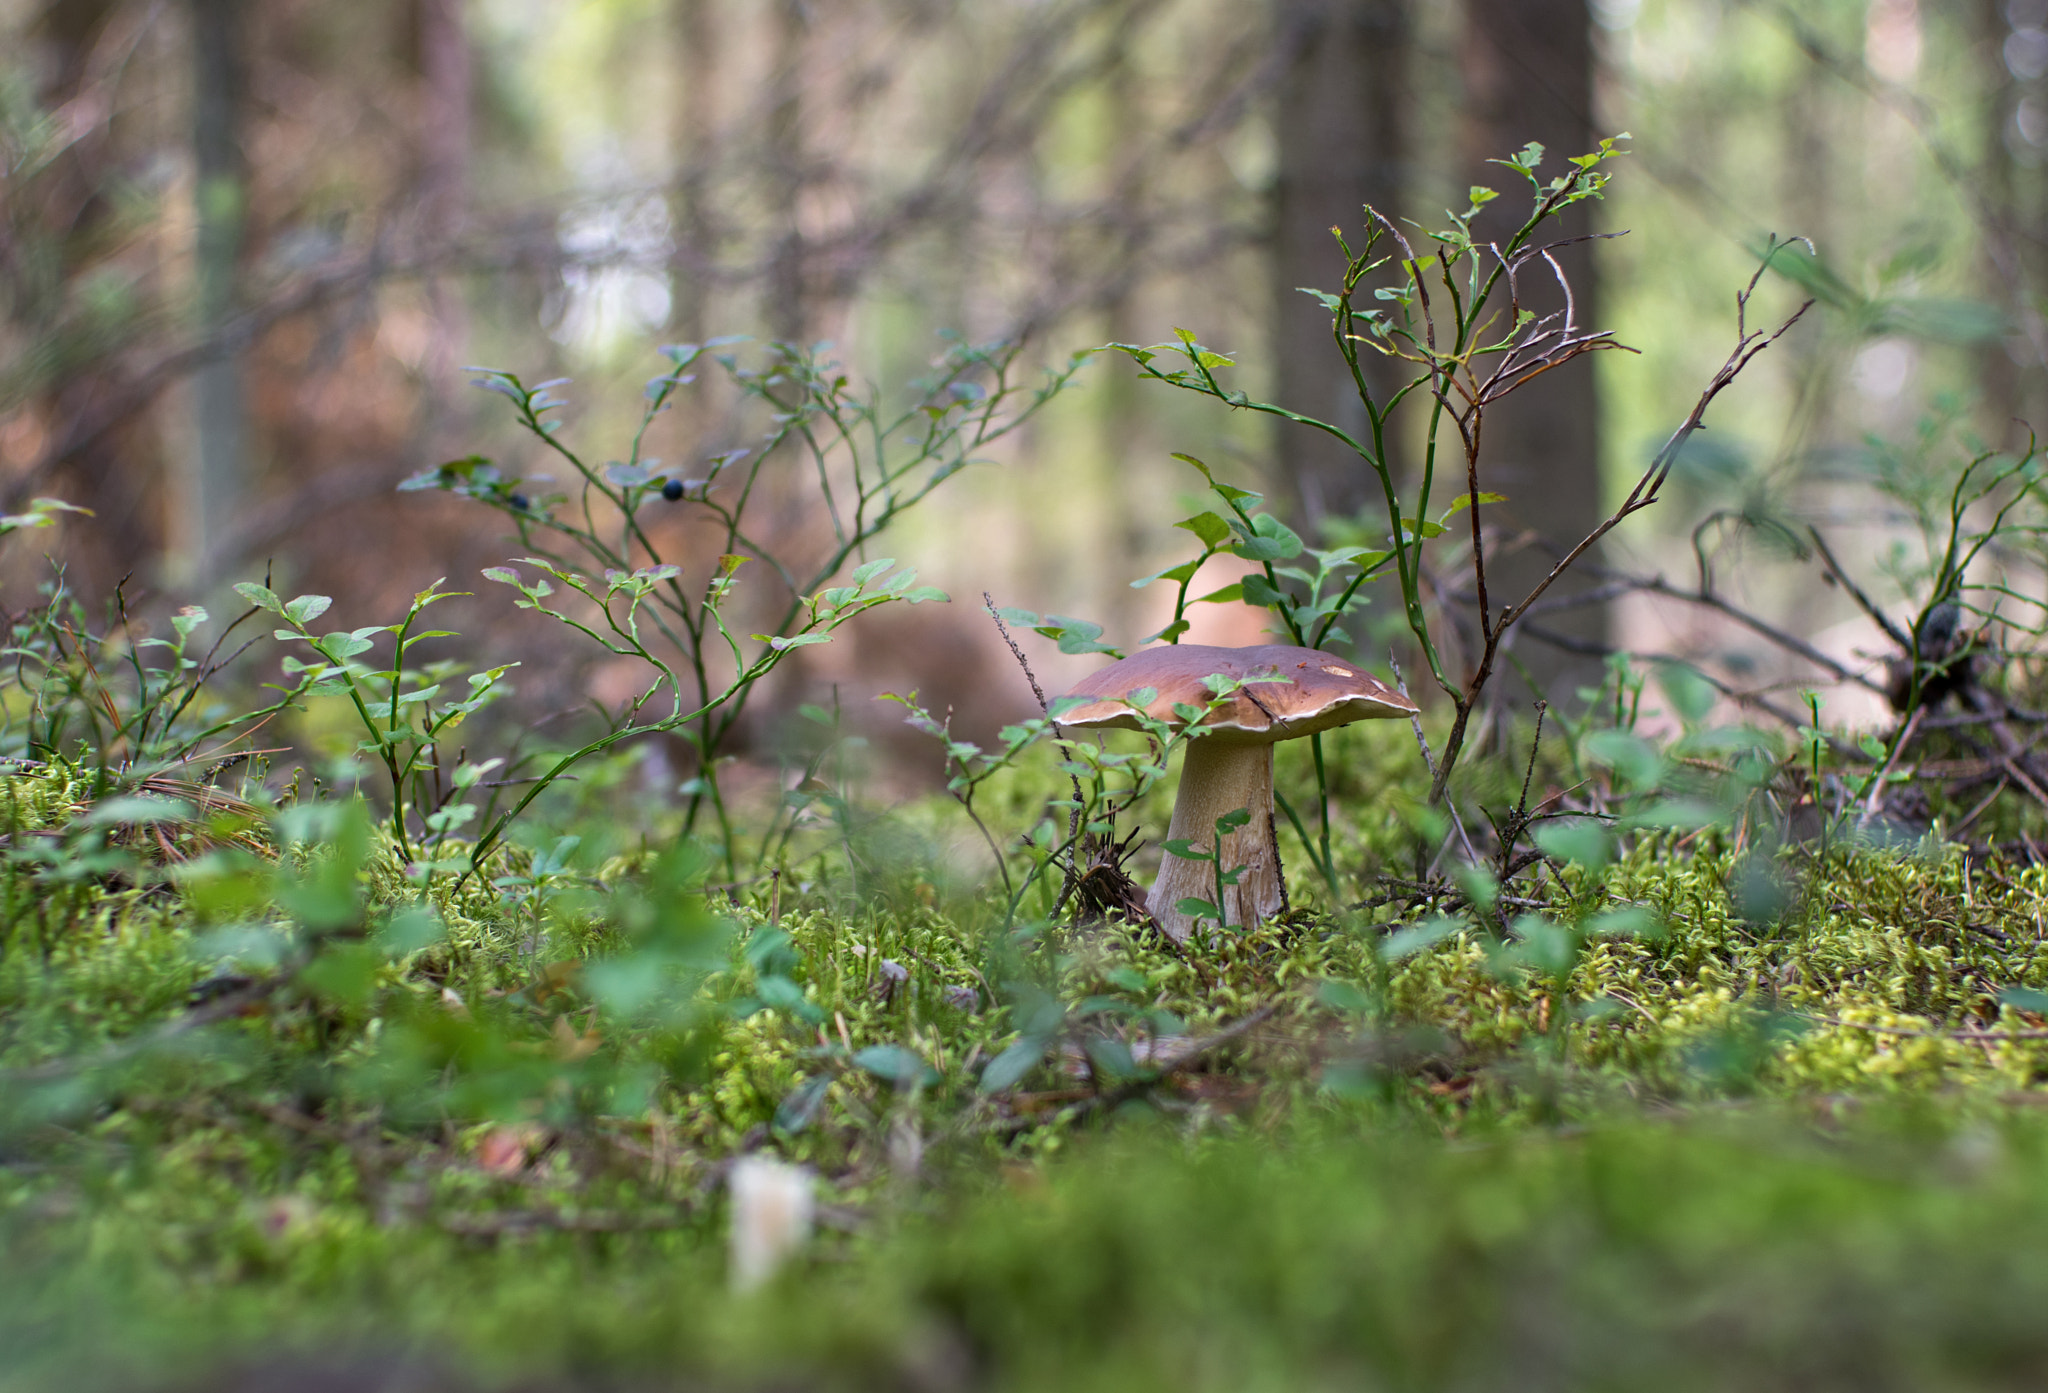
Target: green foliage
<point>1453,318</point>
<point>1105,784</point>
<point>1471,357</point>
<point>1309,608</point>
<point>308,1092</point>
<point>862,463</point>
<point>403,723</point>
<point>133,705</point>
<point>1211,909</point>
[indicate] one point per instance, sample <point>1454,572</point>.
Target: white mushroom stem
<point>1219,777</point>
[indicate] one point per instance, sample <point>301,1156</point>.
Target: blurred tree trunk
<point>1808,125</point>
<point>446,83</point>
<point>1528,71</point>
<point>47,222</point>
<point>1132,526</point>
<point>695,38</point>
<point>1341,147</point>
<point>213,474</point>
<point>2011,202</point>
<point>786,309</point>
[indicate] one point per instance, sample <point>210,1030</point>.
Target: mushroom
<point>1287,692</point>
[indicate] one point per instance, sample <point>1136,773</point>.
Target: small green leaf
<point>1628,755</point>
<point>410,930</point>
<point>1255,589</point>
<point>304,609</point>
<point>1581,841</point>
<point>1547,946</point>
<point>1009,1067</point>
<point>800,1106</point>
<point>1630,921</point>
<point>1464,501</point>
<point>902,1067</point>
<point>1127,978</point>
<point>1207,526</point>
<point>1404,943</point>
<point>135,810</point>
<point>2028,999</point>
<point>1343,996</point>
<point>1690,694</point>
<point>1266,525</point>
<point>1179,575</point>
<point>260,596</point>
<point>1111,1058</point>
<point>1075,635</point>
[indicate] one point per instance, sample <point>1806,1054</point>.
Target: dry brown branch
<point>1863,601</point>
<point>1748,343</point>
<point>1883,776</point>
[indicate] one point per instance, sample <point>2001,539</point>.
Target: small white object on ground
<point>771,1217</point>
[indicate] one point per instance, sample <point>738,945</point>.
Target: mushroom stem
<point>1217,777</point>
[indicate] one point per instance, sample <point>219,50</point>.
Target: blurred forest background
<point>247,249</point>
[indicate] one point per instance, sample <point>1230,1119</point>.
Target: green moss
<point>1300,1208</point>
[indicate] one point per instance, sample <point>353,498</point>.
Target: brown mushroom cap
<point>1289,691</point>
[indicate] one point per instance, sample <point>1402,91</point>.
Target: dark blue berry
<point>672,490</point>
<point>519,501</point>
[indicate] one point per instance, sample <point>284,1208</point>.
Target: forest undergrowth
<point>1668,1037</point>
<point>271,1108</point>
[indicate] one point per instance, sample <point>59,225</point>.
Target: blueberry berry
<point>672,490</point>
<point>520,502</point>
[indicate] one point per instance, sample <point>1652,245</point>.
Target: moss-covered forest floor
<point>279,1104</point>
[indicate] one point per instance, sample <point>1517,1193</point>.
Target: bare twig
<point>1883,775</point>
<point>1517,821</point>
<point>1074,818</point>
<point>1646,492</point>
<point>1415,722</point>
<point>1624,583</point>
<point>1594,648</point>
<point>1015,652</point>
<point>1982,807</point>
<point>1863,601</point>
